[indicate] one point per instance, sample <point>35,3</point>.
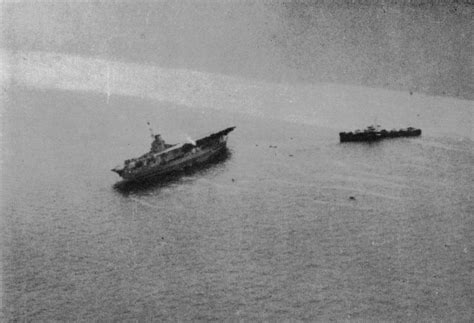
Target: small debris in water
<point>233,180</point>
<point>352,198</point>
<point>290,155</point>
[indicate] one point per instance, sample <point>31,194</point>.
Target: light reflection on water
<point>270,232</point>
<point>292,225</point>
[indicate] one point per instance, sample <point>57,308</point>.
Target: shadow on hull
<point>128,186</point>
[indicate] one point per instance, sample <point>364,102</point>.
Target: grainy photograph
<point>236,160</point>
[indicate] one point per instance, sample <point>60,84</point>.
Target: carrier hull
<point>175,158</point>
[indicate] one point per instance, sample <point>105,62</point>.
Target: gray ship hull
<point>175,158</point>
<point>197,158</point>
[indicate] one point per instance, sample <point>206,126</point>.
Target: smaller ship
<point>164,158</point>
<point>373,133</point>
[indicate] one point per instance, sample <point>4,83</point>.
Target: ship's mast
<point>151,130</point>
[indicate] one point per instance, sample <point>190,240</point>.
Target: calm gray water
<point>265,233</point>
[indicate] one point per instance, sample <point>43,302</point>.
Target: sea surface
<point>289,224</point>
